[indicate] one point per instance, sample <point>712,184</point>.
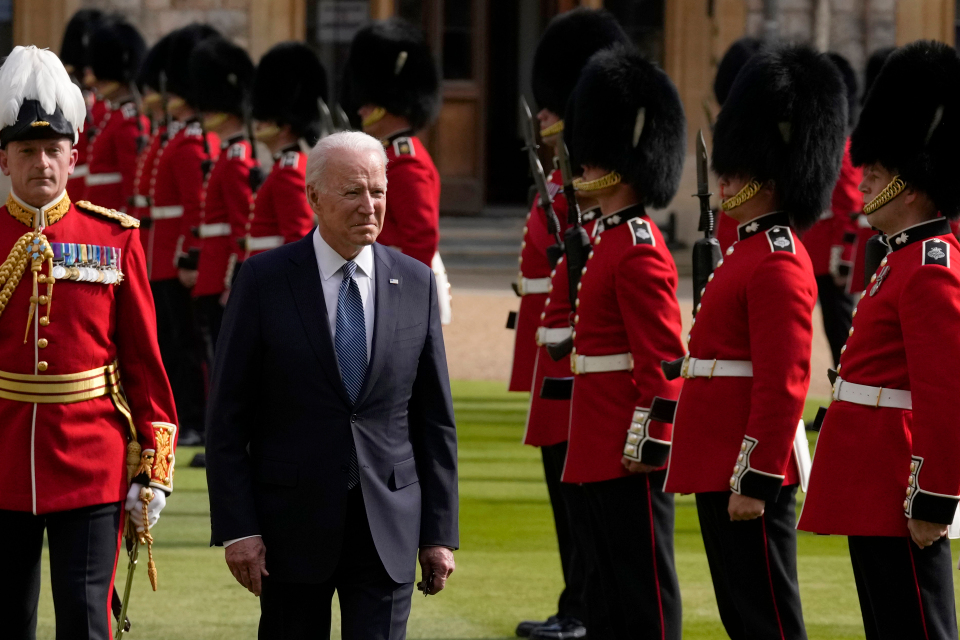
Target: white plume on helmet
<point>30,73</point>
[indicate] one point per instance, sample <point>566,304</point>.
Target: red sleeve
<point>189,158</point>
<point>295,218</point>
<point>413,200</point>
<point>126,141</point>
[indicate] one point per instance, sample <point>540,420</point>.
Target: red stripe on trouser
<point>916,582</point>
<point>653,544</point>
<point>773,593</point>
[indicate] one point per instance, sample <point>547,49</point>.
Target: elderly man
<point>331,451</point>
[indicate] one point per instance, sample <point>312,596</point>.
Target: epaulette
<point>642,233</point>
<point>129,110</point>
<point>290,159</point>
<point>128,222</point>
<point>194,130</point>
<point>936,251</point>
<point>781,239</point>
<point>237,150</point>
<point>403,147</point>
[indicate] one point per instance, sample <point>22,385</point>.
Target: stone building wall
<point>155,18</point>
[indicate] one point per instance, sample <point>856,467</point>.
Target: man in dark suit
<point>331,447</point>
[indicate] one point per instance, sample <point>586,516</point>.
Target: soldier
<point>72,437</point>
<point>888,459</point>
<point>778,143</point>
<point>625,127</point>
<point>391,76</point>
<point>116,51</point>
<point>287,85</point>
<point>221,74</point>
<point>567,43</point>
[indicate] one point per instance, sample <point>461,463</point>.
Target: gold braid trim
<point>53,214</point>
<point>128,222</point>
<point>12,270</point>
<point>749,190</point>
<point>889,192</point>
<point>375,116</point>
<point>552,130</point>
<point>602,182</point>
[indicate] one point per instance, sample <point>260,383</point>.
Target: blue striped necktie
<point>350,342</point>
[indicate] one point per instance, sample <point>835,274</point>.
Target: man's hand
<point>134,504</point>
<point>438,562</point>
<point>247,562</point>
<point>636,467</point>
<point>925,533</point>
<point>188,277</point>
<point>744,507</point>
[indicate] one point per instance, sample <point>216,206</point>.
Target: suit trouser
<point>753,564</point>
<point>837,307</point>
<point>83,545</point>
<point>906,593</point>
<point>372,605</point>
<point>633,532</point>
<point>181,351</point>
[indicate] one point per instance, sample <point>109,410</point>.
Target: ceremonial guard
<point>116,51</point>
<point>778,143</point>
<point>287,87</point>
<point>392,78</point>
<point>887,469</point>
<point>88,416</point>
<point>565,47</point>
<point>625,127</point>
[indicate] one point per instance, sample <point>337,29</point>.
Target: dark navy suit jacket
<point>279,421</point>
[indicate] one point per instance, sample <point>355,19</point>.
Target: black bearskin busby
<point>565,47</point>
<point>390,66</point>
<point>286,86</point>
<point>785,120</point>
<point>850,82</point>
<point>625,115</point>
<point>182,43</point>
<point>154,63</point>
<point>221,75</point>
<point>116,50</point>
<point>733,60</point>
<point>874,64</point>
<point>910,123</point>
<point>76,38</point>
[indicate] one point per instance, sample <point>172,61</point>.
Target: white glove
<point>135,505</point>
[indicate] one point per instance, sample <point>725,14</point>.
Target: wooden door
<point>926,19</point>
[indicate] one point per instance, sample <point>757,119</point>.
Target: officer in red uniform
<point>75,444</point>
<point>566,45</point>
<point>116,51</point>
<point>887,471</point>
<point>392,79</point>
<point>778,143</point>
<point>286,87</point>
<point>625,127</point>
<point>221,75</point>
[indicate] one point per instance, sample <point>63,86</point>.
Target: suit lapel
<point>387,306</point>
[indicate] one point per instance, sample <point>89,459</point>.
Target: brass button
<point>42,343</point>
<point>590,255</point>
<point>851,332</point>
<point>543,315</point>
<point>733,481</point>
<point>42,365</point>
<point>913,467</point>
<point>730,250</point>
<point>720,264</point>
<point>906,505</point>
<point>523,245</point>
<point>743,446</point>
<point>736,469</point>
<point>873,278</point>
<point>710,278</point>
<point>883,262</point>
<point>740,458</point>
<point>44,300</point>
<point>576,318</point>
<point>579,286</point>
<point>550,288</point>
<point>44,321</point>
<point>553,273</point>
<point>583,271</point>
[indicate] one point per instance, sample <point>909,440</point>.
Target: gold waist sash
<point>60,389</point>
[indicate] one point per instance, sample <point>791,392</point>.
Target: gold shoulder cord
<point>552,130</point>
<point>602,182</point>
<point>889,192</point>
<point>127,221</point>
<point>749,190</point>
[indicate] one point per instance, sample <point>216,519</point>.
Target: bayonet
<point>326,118</point>
<point>540,180</point>
<point>706,250</point>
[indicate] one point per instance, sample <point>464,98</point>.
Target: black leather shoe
<point>525,627</point>
<point>564,629</point>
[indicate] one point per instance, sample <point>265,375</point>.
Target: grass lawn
<point>508,569</point>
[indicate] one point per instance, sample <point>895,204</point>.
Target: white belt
<point>215,230</point>
<point>80,171</point>
<point>697,368</point>
<point>534,285</point>
<point>95,179</point>
<point>264,242</point>
<point>600,364</point>
<point>166,213</point>
<point>141,201</point>
<point>872,396</point>
<point>552,336</point>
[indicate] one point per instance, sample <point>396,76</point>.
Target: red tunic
<point>862,234</point>
<point>412,221</point>
<point>227,202</point>
<point>281,213</point>
<point>534,265</point>
<point>139,205</point>
<point>726,230</point>
<point>904,337</point>
<point>55,457</point>
<point>758,307</point>
<point>77,184</point>
<point>627,304</point>
<point>112,156</point>
<point>831,238</point>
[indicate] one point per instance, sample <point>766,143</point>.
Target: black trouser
<point>83,547</point>
<point>181,351</point>
<point>837,307</point>
<point>210,316</point>
<point>572,561</point>
<point>753,564</point>
<point>906,593</point>
<point>633,533</point>
<point>372,605</point>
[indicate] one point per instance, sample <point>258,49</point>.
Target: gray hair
<point>334,143</point>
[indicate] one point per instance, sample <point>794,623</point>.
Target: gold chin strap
<point>375,116</point>
<point>214,120</point>
<point>267,133</point>
<point>176,103</point>
<point>552,130</point>
<point>602,182</point>
<point>889,192</point>
<point>749,190</point>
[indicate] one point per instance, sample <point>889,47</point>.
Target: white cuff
<point>227,543</point>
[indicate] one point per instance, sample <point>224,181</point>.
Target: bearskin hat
<point>221,75</point>
<point>911,121</point>
<point>154,63</point>
<point>850,82</point>
<point>874,64</point>
<point>76,38</point>
<point>730,65</point>
<point>116,50</point>
<point>390,66</point>
<point>785,120</point>
<point>625,115</point>
<point>286,86</point>
<point>182,43</point>
<point>565,47</point>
